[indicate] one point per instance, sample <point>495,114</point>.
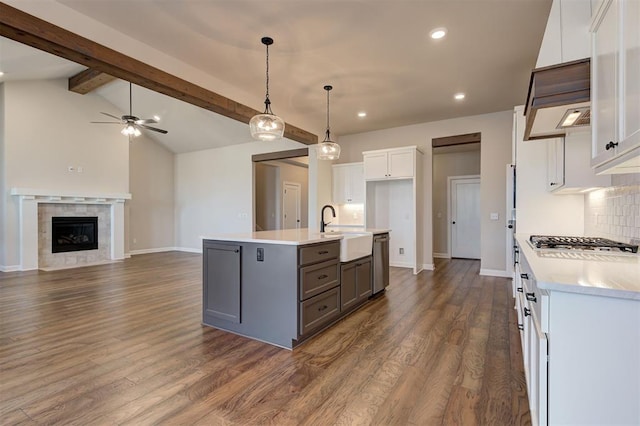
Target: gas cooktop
<point>580,243</point>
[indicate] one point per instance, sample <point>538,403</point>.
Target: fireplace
<point>74,233</point>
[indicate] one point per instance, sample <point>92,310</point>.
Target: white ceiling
<point>376,53</point>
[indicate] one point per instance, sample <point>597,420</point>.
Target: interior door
<point>291,205</point>
<point>465,218</point>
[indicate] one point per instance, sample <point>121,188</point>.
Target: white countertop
<point>290,236</point>
<point>600,274</point>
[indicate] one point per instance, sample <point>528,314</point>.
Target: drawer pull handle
<point>322,308</point>
<point>520,326</point>
<point>531,297</point>
<point>611,145</point>
<point>323,252</point>
<point>519,289</point>
<point>524,276</point>
<point>527,312</point>
<point>323,276</point>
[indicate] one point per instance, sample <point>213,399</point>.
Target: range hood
<point>559,98</point>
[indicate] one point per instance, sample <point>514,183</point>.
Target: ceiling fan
<point>132,124</point>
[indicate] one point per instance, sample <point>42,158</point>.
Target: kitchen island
<point>579,316</point>
<point>281,287</point>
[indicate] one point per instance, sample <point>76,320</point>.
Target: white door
<point>465,218</point>
<point>290,205</point>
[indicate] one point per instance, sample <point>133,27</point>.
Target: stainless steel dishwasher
<point>380,262</point>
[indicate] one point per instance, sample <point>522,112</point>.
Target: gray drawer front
<point>315,279</point>
<point>319,310</point>
<point>319,253</point>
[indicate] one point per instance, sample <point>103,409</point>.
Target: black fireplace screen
<point>74,234</point>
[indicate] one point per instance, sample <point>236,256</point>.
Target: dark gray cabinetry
<point>221,269</point>
<point>355,282</point>
<point>318,284</point>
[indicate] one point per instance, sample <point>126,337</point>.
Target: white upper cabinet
<point>615,87</point>
<point>348,183</point>
<point>396,163</point>
<point>555,164</point>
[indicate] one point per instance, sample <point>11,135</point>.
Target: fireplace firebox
<point>74,233</point>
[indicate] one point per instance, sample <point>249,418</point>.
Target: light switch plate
<point>494,216</point>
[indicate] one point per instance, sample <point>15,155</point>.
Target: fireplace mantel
<point>28,218</point>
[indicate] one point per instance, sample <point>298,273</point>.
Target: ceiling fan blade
<point>155,129</point>
<point>105,122</point>
<point>147,121</point>
<point>111,115</point>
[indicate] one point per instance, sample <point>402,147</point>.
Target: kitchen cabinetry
<point>580,350</point>
<point>221,269</point>
<point>615,87</point>
<point>389,164</point>
<point>318,282</point>
<point>396,203</point>
<point>348,183</point>
<point>568,170</point>
<point>355,282</point>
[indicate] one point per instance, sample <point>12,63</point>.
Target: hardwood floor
<point>123,344</point>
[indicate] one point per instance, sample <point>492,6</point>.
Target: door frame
<point>298,202</point>
<point>450,180</point>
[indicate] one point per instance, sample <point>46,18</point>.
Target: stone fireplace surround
<point>29,201</point>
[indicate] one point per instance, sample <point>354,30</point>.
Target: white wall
<point>47,129</point>
<point>496,129</point>
<point>266,206</point>
<point>537,210</point>
<point>447,164</point>
<point>214,190</point>
<point>151,208</point>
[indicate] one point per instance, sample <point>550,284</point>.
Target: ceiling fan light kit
<point>132,124</point>
<point>327,149</point>
<point>266,126</point>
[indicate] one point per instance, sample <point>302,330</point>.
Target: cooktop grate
<point>580,243</point>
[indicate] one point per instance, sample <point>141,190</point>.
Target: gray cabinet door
<point>363,278</point>
<point>348,289</point>
<point>222,279</point>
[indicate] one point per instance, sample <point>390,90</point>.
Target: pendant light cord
<point>328,132</point>
<point>267,102</point>
<point>130,99</point>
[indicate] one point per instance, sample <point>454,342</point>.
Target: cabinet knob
<point>552,183</point>
<point>611,145</point>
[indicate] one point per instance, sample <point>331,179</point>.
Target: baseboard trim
<point>9,268</point>
<point>495,273</point>
<point>429,267</point>
<point>151,250</point>
<point>442,255</point>
<point>401,265</point>
<point>188,250</point>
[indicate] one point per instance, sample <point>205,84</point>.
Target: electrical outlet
<point>71,169</point>
<point>401,250</point>
<point>80,169</point>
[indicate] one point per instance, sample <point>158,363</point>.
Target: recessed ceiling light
<point>459,96</point>
<point>1,73</point>
<point>362,114</point>
<point>438,33</point>
<point>156,117</point>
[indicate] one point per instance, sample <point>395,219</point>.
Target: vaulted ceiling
<point>376,53</point>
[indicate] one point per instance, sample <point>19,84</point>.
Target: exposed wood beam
<point>456,140</point>
<point>27,29</point>
<point>89,80</point>
<point>280,155</point>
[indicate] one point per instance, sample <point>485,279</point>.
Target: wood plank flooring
<point>123,344</point>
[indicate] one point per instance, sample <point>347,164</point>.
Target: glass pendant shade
<point>266,126</point>
<point>327,149</point>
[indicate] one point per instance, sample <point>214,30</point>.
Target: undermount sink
<point>354,245</point>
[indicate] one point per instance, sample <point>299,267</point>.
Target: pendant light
<point>327,149</point>
<point>266,126</point>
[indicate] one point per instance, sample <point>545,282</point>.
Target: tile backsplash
<point>614,212</point>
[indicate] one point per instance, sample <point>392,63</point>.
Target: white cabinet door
<point>555,164</point>
<point>604,69</point>
<point>356,183</point>
<point>538,358</point>
<point>375,166</point>
<point>401,164</point>
<point>339,183</point>
<point>630,62</point>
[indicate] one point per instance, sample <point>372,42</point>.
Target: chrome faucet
<point>322,222</point>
